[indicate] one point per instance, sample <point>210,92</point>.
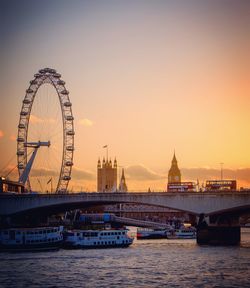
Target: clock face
<point>176,178</point>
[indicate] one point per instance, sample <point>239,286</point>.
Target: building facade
<point>106,176</point>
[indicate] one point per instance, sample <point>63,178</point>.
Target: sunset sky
<point>146,78</point>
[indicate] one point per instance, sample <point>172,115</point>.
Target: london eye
<point>46,119</point>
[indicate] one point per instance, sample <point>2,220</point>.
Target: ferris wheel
<point>45,121</point>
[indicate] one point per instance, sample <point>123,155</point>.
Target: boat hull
<point>153,236</point>
<point>73,246</point>
<point>31,248</point>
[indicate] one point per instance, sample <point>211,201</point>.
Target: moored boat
<point>31,239</point>
<point>97,239</point>
<point>182,233</point>
<point>167,233</point>
<point>147,233</point>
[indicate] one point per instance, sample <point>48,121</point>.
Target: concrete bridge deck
<point>192,202</point>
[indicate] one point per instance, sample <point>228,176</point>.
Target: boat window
<point>101,234</point>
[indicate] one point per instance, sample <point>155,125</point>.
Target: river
<point>147,263</point>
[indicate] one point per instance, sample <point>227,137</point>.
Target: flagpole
<point>107,153</point>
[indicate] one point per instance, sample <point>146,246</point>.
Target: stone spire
<point>123,186</point>
<point>99,163</point>
<point>115,163</point>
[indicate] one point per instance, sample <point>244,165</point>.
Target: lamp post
<point>221,171</point>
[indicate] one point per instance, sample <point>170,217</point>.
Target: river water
<point>147,263</point>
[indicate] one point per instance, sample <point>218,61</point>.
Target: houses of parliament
<point>107,177</point>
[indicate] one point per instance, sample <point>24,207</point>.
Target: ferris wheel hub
<point>36,144</point>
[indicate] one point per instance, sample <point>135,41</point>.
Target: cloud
<point>1,134</point>
<point>141,173</point>
<point>81,174</point>
<point>77,174</point>
<point>85,122</point>
<point>36,120</point>
<point>210,173</point>
<point>43,172</point>
<point>12,137</point>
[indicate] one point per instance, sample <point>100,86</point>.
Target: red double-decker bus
<point>181,187</point>
<point>221,185</point>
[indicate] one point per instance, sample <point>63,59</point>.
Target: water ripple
<point>145,264</point>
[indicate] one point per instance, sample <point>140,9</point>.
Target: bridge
<point>195,203</point>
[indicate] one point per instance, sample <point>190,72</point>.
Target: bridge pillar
<point>223,232</point>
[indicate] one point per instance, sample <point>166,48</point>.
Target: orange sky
<point>145,77</point>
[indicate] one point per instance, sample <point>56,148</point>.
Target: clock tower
<point>174,173</point>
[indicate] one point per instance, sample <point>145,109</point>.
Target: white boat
<point>148,233</point>
<point>182,233</point>
<point>31,239</point>
<point>167,233</point>
<point>97,239</point>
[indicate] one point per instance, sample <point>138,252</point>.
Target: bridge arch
<point>193,203</point>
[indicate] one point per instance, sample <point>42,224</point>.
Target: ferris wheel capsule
<point>65,92</point>
<point>24,113</point>
<point>67,104</point>
<point>61,82</point>
<point>26,101</point>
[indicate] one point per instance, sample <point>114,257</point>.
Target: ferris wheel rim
<point>50,76</point>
